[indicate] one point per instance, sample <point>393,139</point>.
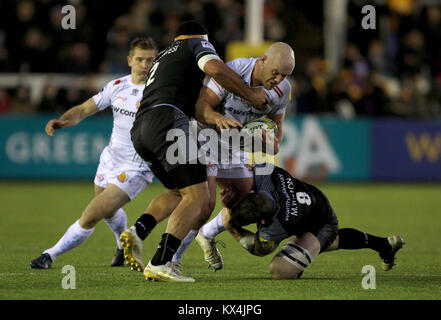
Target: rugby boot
<point>132,245</point>
<point>212,254</point>
<point>44,261</point>
<point>164,273</point>
<point>396,243</point>
<point>118,258</point>
<point>177,267</point>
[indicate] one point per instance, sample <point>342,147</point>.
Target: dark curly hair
<point>251,208</point>
<point>191,27</point>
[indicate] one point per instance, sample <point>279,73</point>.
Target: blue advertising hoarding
<point>26,151</point>
<point>314,148</point>
<point>326,148</point>
<point>406,150</point>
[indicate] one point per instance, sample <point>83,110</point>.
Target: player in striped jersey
<point>121,173</point>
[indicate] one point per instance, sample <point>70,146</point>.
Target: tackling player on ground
<point>284,207</point>
<point>121,173</point>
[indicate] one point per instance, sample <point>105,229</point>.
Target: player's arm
<point>72,116</point>
<point>206,114</point>
<point>249,240</point>
<point>274,144</point>
<point>229,79</point>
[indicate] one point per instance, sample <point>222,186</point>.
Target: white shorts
<point>129,179</point>
<point>232,171</point>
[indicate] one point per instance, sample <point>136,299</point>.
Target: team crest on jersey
<point>122,177</point>
<point>134,92</point>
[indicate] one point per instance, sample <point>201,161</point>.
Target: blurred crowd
<point>393,70</point>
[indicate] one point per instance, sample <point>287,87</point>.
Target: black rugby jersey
<point>175,77</point>
<point>298,206</point>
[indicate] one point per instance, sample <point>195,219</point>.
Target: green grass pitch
<point>34,215</point>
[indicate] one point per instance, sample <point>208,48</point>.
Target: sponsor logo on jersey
<point>124,112</point>
<point>245,112</point>
<point>122,98</point>
<point>208,45</point>
<point>287,186</point>
<point>117,82</point>
<point>166,52</point>
<point>122,177</point>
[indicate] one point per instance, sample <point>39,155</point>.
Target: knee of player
<point>281,271</point>
<point>290,261</point>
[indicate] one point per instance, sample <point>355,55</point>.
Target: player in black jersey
<point>285,207</point>
<point>168,103</point>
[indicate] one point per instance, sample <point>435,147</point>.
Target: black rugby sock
<point>144,225</point>
<point>353,239</point>
<point>166,249</point>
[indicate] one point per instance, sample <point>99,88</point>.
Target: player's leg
<point>104,205</point>
<point>117,223</point>
<point>132,239</point>
<point>191,213</point>
<point>386,247</point>
<point>207,234</point>
<point>177,257</point>
<point>294,257</point>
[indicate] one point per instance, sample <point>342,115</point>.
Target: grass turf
<point>34,215</point>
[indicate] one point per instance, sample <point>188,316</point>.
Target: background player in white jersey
<point>121,173</point>
<point>217,106</point>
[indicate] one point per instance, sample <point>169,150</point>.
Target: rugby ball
<point>268,125</point>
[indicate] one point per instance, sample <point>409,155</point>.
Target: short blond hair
<point>144,43</point>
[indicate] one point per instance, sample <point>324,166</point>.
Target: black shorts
<point>174,167</point>
<point>327,230</point>
<point>327,233</point>
<point>324,224</point>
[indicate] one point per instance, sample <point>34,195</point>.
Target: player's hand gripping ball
<point>266,124</point>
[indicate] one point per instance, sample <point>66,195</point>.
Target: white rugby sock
<point>118,223</point>
<point>74,236</point>
<point>185,243</point>
<point>214,227</point>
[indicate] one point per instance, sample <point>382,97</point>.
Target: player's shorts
<point>174,167</point>
<point>327,232</point>
<point>240,170</point>
<point>130,180</point>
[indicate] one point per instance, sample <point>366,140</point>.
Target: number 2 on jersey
<point>152,73</point>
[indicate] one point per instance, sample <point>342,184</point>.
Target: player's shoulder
<point>119,82</point>
<point>284,86</point>
<point>241,63</point>
<point>282,91</point>
<point>201,43</point>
